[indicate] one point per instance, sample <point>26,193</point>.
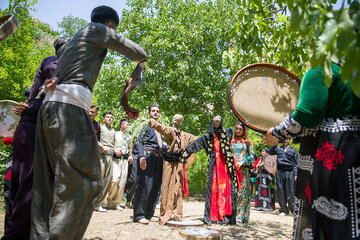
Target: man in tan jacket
<point>171,193</point>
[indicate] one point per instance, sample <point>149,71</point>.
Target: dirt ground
<point>118,225</point>
<point>114,225</point>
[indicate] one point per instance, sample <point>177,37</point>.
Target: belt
<point>172,157</point>
<point>123,156</point>
<point>149,151</point>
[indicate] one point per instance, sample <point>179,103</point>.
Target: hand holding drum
<point>262,94</point>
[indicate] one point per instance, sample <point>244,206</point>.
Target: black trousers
<point>285,188</point>
<point>18,209</point>
<point>147,187</point>
<point>130,181</point>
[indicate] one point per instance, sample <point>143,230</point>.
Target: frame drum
<point>200,233</point>
<point>8,25</point>
<point>262,94</point>
<point>8,119</point>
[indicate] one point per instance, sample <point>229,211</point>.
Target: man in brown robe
<point>171,193</point>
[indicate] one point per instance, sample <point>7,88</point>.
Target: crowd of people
<point>65,164</point>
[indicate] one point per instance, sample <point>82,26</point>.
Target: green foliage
<point>197,174</point>
<point>69,25</point>
<point>330,34</point>
<point>23,51</point>
<point>263,34</point>
<point>21,54</point>
<point>185,73</point>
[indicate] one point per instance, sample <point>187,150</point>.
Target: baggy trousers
<point>67,174</point>
<point>171,193</point>
<point>147,187</point>
<point>130,182</point>
<point>119,176</point>
<point>106,163</point>
<point>17,218</point>
<point>285,188</point>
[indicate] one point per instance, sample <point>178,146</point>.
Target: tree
<point>188,71</point>
<point>23,51</point>
<point>314,27</point>
<point>263,35</point>
<point>332,35</point>
<point>185,73</point>
<point>69,25</point>
<point>21,54</point>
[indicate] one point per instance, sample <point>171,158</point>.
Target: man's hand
<point>269,138</point>
<point>50,84</point>
<point>143,163</point>
<point>18,110</point>
<point>118,152</point>
<point>105,150</point>
<point>130,159</point>
<point>295,178</point>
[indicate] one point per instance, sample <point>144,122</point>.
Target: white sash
<point>73,94</point>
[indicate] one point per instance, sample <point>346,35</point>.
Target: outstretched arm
<point>197,145</point>
<point>166,131</point>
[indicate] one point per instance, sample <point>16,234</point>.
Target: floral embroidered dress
<point>327,191</point>
<point>264,189</point>
<point>244,153</point>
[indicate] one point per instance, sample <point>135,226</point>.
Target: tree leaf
<point>295,19</point>
<point>355,85</point>
<point>329,33</point>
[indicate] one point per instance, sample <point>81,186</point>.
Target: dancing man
<point>67,173</point>
<point>171,193</point>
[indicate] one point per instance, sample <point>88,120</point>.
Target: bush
<point>197,174</point>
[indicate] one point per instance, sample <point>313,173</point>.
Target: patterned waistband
<point>153,151</point>
<point>340,124</point>
<point>333,125</point>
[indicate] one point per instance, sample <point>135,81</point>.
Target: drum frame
<point>257,65</point>
<point>8,25</point>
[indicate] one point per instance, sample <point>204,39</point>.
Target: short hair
<point>123,120</point>
<point>154,105</point>
<point>103,14</point>
<point>59,42</point>
<point>108,112</point>
<point>95,106</point>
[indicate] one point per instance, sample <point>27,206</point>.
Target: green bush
<point>197,174</point>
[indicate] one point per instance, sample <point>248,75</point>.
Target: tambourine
<point>262,94</point>
<point>8,25</point>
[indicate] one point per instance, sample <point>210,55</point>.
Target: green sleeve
<point>313,98</point>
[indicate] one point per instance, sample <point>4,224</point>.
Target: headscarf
<point>243,138</point>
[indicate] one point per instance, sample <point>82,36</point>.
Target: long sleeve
<point>197,145</point>
<point>189,138</point>
<point>296,162</point>
<point>140,145</point>
<point>167,132</point>
<point>313,99</point>
<point>114,41</point>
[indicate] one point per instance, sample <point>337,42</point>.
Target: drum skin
<point>262,94</point>
<point>200,233</point>
<point>8,119</point>
<point>8,25</point>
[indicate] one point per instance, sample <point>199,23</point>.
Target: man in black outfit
<point>150,150</point>
<point>286,174</point>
